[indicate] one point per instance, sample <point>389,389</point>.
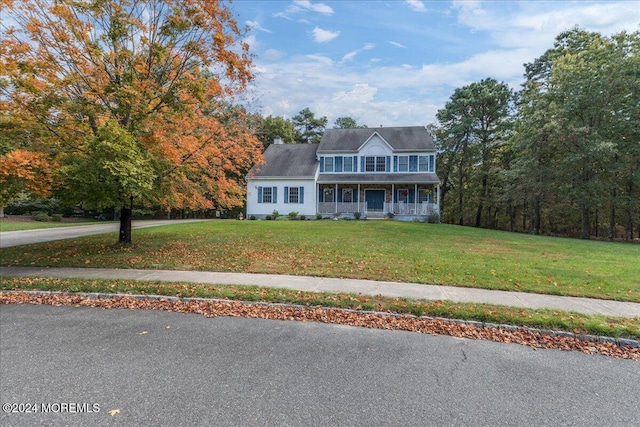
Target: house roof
<point>287,161</point>
<point>378,178</point>
<point>409,138</point>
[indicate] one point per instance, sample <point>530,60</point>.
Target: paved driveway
<point>25,237</point>
<point>163,368</point>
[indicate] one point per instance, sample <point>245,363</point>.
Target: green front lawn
<point>379,250</point>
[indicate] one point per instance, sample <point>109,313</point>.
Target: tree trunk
<point>483,194</point>
<point>536,220</point>
<point>125,223</point>
<point>1,211</point>
<point>612,219</point>
<point>511,212</point>
<point>586,223</point>
<point>460,182</point>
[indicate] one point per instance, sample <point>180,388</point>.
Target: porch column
<point>336,196</point>
<point>358,199</point>
<point>393,195</point>
<point>438,198</point>
<point>415,199</point>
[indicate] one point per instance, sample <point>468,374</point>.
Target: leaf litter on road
<point>214,308</point>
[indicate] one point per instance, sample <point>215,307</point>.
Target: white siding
<point>260,210</point>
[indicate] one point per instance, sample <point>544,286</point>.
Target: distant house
<point>373,171</point>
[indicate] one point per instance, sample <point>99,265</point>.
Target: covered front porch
<point>405,201</point>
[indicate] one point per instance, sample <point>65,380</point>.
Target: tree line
<point>561,156</point>
<point>118,102</point>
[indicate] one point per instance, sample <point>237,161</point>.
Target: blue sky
<point>395,62</point>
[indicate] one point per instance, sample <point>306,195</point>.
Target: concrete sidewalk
<point>364,287</point>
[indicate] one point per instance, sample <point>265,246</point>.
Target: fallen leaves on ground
<point>213,308</point>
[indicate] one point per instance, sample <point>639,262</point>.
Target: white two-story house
<point>372,171</point>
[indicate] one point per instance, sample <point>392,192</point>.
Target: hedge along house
<point>371,171</point>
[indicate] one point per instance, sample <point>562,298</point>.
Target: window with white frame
<point>328,164</point>
<point>347,195</point>
<point>267,195</point>
<point>423,164</point>
<point>375,164</point>
<point>294,194</point>
<point>347,164</point>
<point>415,163</point>
<point>403,163</point>
<point>327,195</point>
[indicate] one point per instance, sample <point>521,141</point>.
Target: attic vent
<point>277,140</point>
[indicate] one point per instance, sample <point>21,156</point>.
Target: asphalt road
<point>162,368</point>
<point>25,237</point>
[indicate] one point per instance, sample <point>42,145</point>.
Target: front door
<point>375,200</point>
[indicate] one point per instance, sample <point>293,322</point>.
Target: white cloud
<point>349,56</point>
<point>301,5</point>
<point>323,36</point>
<point>416,5</point>
<point>360,94</point>
<point>255,25</point>
<point>273,54</point>
<point>396,44</point>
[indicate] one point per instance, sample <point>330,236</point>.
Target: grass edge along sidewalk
<point>553,320</point>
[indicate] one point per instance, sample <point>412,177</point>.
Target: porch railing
<point>423,208</point>
<point>341,207</point>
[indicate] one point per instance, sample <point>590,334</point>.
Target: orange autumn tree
<point>132,91</point>
<point>25,166</point>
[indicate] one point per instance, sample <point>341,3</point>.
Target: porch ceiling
<point>378,178</point>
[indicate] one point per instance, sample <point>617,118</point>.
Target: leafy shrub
<point>357,215</point>
<point>302,217</point>
<point>433,218</point>
<point>275,214</point>
<point>41,216</point>
<point>56,217</point>
<point>318,216</point>
<point>268,218</point>
<point>252,218</point>
<point>293,214</point>
<point>390,215</point>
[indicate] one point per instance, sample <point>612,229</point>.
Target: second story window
<point>414,163</point>
<point>375,164</point>
<point>347,164</point>
<point>328,164</point>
